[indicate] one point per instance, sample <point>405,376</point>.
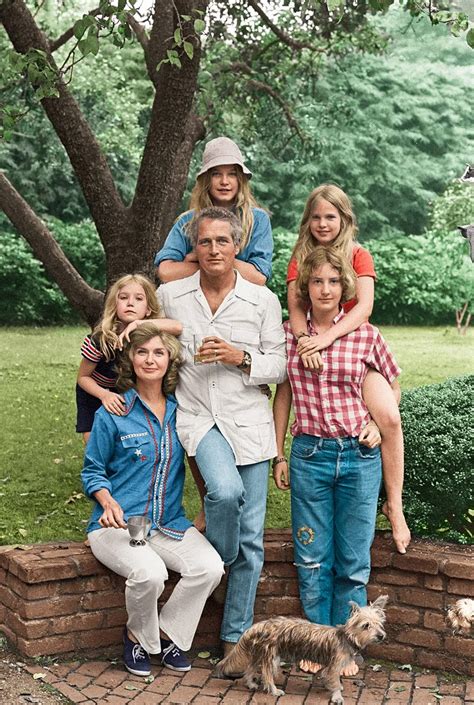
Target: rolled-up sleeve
<point>259,250</point>
<point>269,363</point>
<point>177,244</point>
<point>99,451</point>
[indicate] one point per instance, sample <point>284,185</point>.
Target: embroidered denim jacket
<point>140,463</point>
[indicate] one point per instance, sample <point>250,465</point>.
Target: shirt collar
<point>243,288</point>
<point>335,320</point>
<point>131,396</point>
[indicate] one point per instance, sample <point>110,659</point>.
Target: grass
<point>41,455</point>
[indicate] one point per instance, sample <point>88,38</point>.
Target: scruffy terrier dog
<point>266,643</point>
<point>461,616</point>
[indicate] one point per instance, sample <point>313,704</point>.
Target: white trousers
<point>145,570</point>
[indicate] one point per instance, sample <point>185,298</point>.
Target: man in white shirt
<point>234,328</point>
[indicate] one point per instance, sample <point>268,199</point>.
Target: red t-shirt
<point>362,263</point>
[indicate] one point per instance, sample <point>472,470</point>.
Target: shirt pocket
<point>137,447</point>
<point>241,337</point>
<point>255,434</point>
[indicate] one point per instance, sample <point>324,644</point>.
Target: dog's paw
<point>337,700</point>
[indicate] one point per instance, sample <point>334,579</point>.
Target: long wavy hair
<point>244,202</point>
<point>109,327</point>
<point>127,378</point>
<point>306,242</point>
<point>337,260</point>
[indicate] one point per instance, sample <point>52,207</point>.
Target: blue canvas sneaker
<point>135,658</point>
<point>173,657</point>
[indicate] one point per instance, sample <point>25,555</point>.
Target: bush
<point>283,243</point>
<point>33,298</point>
<point>439,459</point>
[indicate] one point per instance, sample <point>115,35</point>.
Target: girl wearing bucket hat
<point>222,181</point>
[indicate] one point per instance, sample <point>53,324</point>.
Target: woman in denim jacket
<point>134,466</point>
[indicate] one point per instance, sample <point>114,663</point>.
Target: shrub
<point>439,459</point>
<point>283,243</point>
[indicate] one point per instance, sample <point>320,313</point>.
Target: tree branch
<point>283,36</point>
<point>84,152</point>
<point>68,34</point>
<point>84,298</point>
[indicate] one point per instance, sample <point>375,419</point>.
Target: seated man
<point>233,342</point>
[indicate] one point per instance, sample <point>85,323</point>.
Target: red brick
<point>402,615</point>
<point>452,689</point>
<point>78,680</point>
<point>420,637</point>
<point>424,697</point>
<point>7,598</point>
<point>280,570</point>
<point>271,586</point>
<point>111,678</point>
<point>98,638</point>
<point>93,668</point>
<point>380,558</point>
<point>41,572</point>
<point>88,565</point>
<point>279,553</point>
<point>416,562</point>
<point>197,676</point>
<point>395,652</point>
<point>421,598</point>
<point>74,695</point>
<point>78,622</point>
<point>461,587</point>
<point>458,646</point>
<point>470,690</point>
<point>282,606</point>
<point>93,583</point>
<point>147,698</point>
<point>452,700</point>
<point>374,591</point>
<point>443,662</point>
<point>206,700</point>
<point>182,694</point>
<point>47,646</point>
<point>434,582</point>
<point>65,551</point>
<point>29,629</point>
<point>460,568</point>
<point>436,621</point>
<point>426,680</point>
<point>215,686</point>
<point>102,600</point>
<point>32,592</point>
<point>393,577</point>
<point>164,684</point>
<point>67,604</point>
<point>115,617</point>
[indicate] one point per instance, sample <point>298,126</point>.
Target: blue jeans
<point>235,506</point>
<point>335,484</point>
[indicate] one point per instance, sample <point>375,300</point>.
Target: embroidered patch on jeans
<point>305,535</point>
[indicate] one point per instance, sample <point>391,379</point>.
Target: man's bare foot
<point>400,531</point>
<point>352,669</point>
<point>309,666</point>
<point>200,521</point>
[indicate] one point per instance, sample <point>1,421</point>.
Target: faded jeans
<point>145,570</point>
<point>335,484</point>
<point>235,503</point>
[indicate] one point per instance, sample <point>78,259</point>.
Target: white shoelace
<point>138,653</point>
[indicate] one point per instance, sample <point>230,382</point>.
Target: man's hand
<point>191,257</point>
<point>370,435</point>
<point>281,475</point>
<point>214,349</point>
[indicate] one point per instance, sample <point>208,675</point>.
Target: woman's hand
<point>114,403</point>
<point>312,361</point>
<point>191,257</point>
<point>314,343</point>
<point>214,349</point>
<point>112,516</point>
<point>370,435</point>
<point>281,475</point>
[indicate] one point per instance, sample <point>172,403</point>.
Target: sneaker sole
<point>173,668</point>
<point>137,673</point>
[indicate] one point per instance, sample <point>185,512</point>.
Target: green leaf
<point>186,18</point>
<point>334,4</point>
<point>79,29</point>
<point>199,26</point>
<point>470,38</point>
<point>178,37</point>
<point>188,49</point>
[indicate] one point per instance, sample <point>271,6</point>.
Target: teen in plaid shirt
<point>335,464</point>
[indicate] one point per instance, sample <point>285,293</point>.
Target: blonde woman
<point>223,181</point>
<point>134,466</point>
<point>130,301</point>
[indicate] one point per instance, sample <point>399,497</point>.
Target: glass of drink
<point>199,356</point>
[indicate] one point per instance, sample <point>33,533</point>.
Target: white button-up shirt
<point>211,394</point>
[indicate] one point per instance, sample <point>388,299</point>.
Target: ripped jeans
<point>335,484</point>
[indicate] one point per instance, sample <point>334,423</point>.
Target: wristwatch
<point>246,362</point>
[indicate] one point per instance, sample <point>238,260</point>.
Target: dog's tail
<point>236,662</point>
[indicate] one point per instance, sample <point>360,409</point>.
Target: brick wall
<point>57,598</point>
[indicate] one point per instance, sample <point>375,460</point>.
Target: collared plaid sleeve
<point>90,351</point>
<point>381,358</point>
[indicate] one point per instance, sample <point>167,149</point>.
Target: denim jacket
<point>140,463</point>
<point>258,250</point>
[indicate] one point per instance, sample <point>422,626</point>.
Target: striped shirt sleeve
<point>89,350</point>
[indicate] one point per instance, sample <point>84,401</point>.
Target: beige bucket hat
<point>222,150</point>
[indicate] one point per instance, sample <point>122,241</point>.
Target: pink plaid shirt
<point>330,404</point>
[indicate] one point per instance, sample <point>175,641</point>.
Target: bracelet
<point>278,460</point>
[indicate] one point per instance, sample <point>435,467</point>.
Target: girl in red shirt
<point>328,219</point>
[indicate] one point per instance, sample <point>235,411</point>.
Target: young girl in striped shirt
<point>130,301</point>
<point>328,219</point>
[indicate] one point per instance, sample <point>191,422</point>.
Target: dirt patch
<point>18,687</point>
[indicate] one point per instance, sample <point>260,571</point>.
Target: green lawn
<point>40,453</point>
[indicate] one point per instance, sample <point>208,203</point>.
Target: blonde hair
<point>200,199</point>
<point>108,328</point>
<point>127,378</point>
<point>337,260</point>
<point>348,232</point>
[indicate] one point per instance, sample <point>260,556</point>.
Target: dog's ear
<point>354,607</point>
<point>380,602</point>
